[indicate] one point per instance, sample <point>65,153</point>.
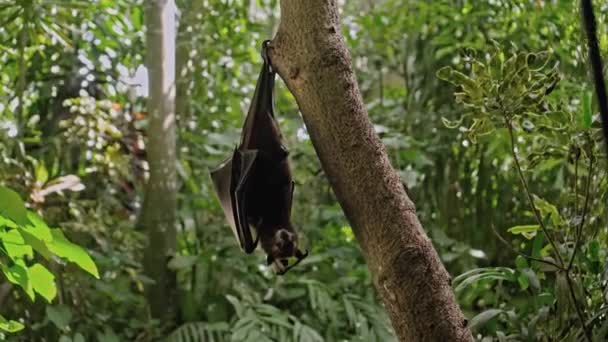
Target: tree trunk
<point>158,212</point>
<point>310,55</point>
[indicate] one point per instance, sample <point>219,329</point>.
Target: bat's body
<point>254,185</point>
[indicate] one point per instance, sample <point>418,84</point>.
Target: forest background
<point>73,151</point>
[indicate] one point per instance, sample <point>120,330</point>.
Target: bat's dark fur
<point>255,186</point>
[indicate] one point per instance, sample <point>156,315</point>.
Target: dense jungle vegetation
<point>486,109</point>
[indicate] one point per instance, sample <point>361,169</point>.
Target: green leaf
<point>523,281</point>
<point>587,111</point>
<point>42,175</point>
<point>63,248</point>
<point>594,250</point>
<point>451,124</point>
<point>60,315</point>
<point>18,274</point>
<point>33,241</point>
<point>528,231</point>
<point>521,262</point>
<point>38,227</point>
<point>548,209</point>
<point>15,245</point>
<point>537,245</point>
<point>43,281</point>
<point>479,274</point>
<point>482,318</point>
<point>12,206</point>
<point>10,325</point>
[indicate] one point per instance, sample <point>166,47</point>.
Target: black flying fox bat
<point>254,185</point>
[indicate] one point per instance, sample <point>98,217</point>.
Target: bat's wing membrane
<point>243,168</point>
<point>230,182</point>
<point>221,177</point>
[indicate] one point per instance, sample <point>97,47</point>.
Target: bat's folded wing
<point>221,177</point>
<point>230,180</point>
<point>242,171</point>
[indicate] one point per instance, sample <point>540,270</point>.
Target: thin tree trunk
<point>158,213</point>
<point>310,55</point>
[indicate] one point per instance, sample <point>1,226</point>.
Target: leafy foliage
<point>73,145</point>
<point>22,233</point>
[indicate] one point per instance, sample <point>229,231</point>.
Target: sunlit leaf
<point>43,281</point>
<point>62,247</point>
<point>18,273</point>
<point>12,207</point>
<point>10,325</point>
<point>528,231</point>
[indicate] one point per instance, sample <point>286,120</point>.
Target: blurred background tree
<point>73,90</point>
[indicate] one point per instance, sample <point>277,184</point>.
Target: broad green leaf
<point>38,227</point>
<point>528,231</point>
<point>523,281</point>
<point>32,240</point>
<point>587,111</point>
<point>60,315</point>
<point>42,175</point>
<point>12,206</point>
<point>537,245</point>
<point>10,325</point>
<point>594,250</point>
<point>482,318</point>
<point>18,274</point>
<point>43,281</point>
<point>63,248</point>
<point>5,222</point>
<point>548,209</point>
<point>521,262</point>
<point>15,245</point>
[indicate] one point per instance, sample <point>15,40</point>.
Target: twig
<point>543,227</point>
<point>529,194</point>
<point>577,155</point>
<point>579,230</point>
<point>506,243</point>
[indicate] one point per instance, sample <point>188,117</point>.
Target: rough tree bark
<point>159,207</point>
<point>310,55</point>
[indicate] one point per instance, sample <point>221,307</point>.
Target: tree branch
<point>310,55</point>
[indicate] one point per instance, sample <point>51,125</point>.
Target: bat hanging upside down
<point>254,185</point>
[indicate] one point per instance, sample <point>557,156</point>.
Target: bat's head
<point>284,245</point>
